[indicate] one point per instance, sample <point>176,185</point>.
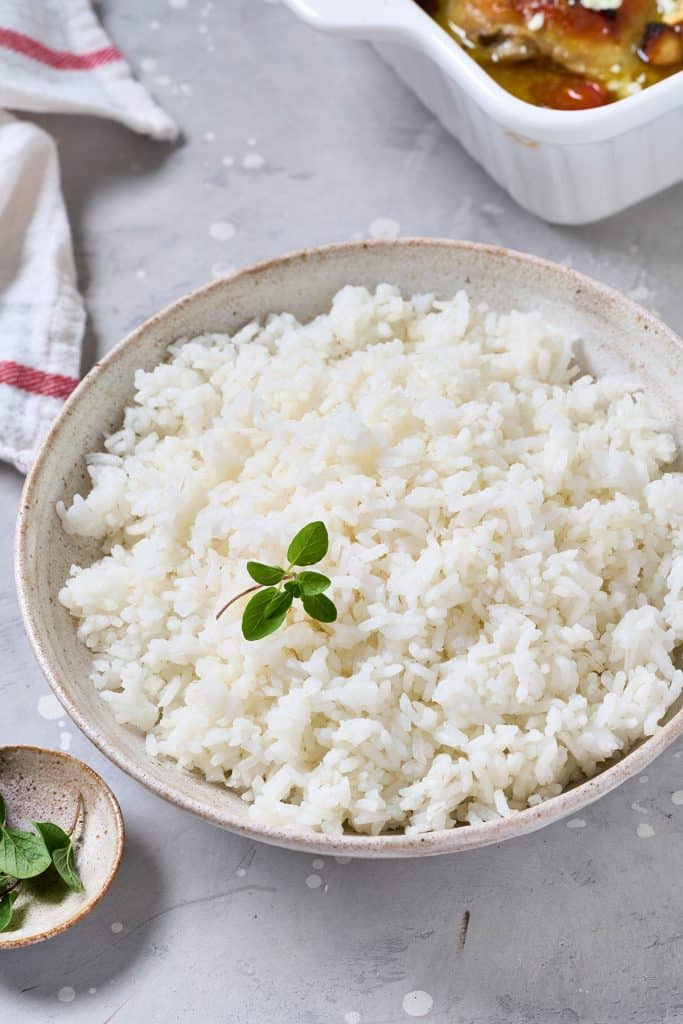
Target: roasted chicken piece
<point>662,45</point>
<point>585,41</point>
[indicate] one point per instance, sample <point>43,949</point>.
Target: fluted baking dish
<point>568,167</point>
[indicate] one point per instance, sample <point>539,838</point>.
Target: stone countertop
<point>292,139</point>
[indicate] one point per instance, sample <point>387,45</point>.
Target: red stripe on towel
<point>60,59</point>
<point>36,381</point>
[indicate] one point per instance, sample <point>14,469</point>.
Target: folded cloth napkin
<point>54,56</point>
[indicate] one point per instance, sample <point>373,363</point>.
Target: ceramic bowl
<point>46,785</point>
<point>617,336</point>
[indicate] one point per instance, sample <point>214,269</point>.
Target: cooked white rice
<point>506,558</point>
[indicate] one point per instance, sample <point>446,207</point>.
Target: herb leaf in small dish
<point>27,855</point>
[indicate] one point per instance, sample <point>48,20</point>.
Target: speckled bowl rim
<point>69,922</point>
<point>464,837</point>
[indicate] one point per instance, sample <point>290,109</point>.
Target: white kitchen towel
<point>54,56</point>
<point>41,311</point>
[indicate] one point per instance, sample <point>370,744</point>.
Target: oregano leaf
<point>22,854</point>
<point>53,836</point>
<point>65,865</point>
<point>312,583</point>
<point>309,545</point>
<point>255,622</point>
<point>61,850</point>
<point>268,575</point>
<point>6,904</point>
<point>266,610</point>
<point>279,605</point>
<point>319,607</point>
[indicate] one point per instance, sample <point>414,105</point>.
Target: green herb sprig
<point>277,588</point>
<point>25,855</point>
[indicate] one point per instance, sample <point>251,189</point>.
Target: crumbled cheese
<point>615,69</point>
<point>535,22</point>
<point>601,5</point>
<point>632,88</point>
<point>671,11</point>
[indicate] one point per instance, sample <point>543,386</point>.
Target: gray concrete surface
<point>574,925</point>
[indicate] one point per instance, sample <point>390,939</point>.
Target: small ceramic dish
<point>617,337</point>
<point>46,785</point>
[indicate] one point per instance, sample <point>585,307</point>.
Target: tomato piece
<point>572,94</point>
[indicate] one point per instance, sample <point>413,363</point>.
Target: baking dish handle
<point>369,19</point>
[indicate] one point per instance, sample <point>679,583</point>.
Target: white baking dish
<point>566,167</point>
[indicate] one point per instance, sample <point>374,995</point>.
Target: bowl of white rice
<point>491,441</point>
